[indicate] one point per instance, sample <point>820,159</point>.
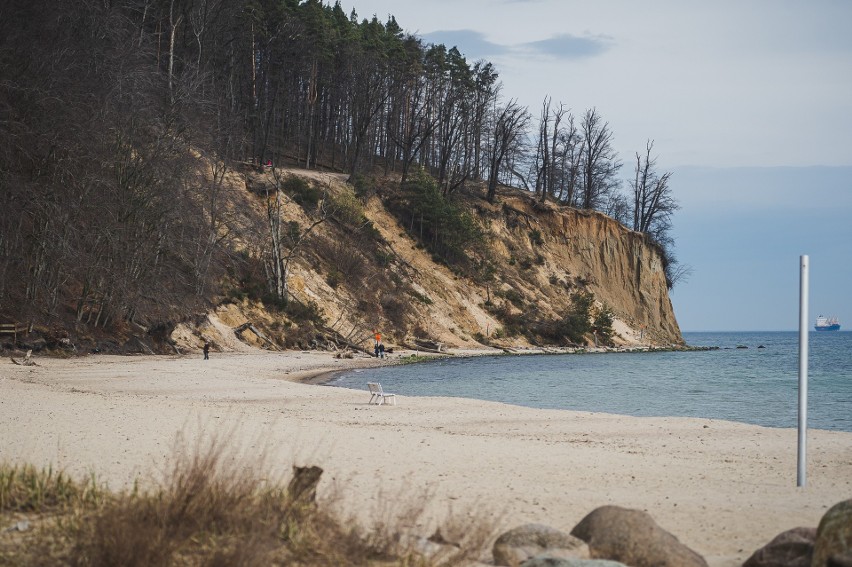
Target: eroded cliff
<point>621,268</point>
<point>384,279</point>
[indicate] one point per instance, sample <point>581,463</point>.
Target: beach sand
<point>724,489</point>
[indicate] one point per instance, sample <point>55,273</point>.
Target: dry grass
<point>28,489</point>
<point>211,509</point>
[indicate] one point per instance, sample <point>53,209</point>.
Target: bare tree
<point>417,123</point>
<point>557,142</point>
<point>569,160</point>
<point>173,25</point>
<point>542,164</point>
<point>217,222</point>
<point>509,129</point>
<point>652,208</point>
<point>653,203</point>
<point>554,145</point>
<point>617,206</point>
<point>600,163</point>
<point>199,18</point>
<point>285,238</point>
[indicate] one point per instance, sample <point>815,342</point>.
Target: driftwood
<point>250,327</point>
<point>424,349</point>
<point>303,486</point>
<point>428,345</point>
<point>340,342</point>
<point>26,361</point>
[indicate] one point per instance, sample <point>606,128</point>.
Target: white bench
<point>378,395</point>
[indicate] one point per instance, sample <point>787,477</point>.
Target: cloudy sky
<point>749,103</point>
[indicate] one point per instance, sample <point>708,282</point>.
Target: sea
<point>752,377</point>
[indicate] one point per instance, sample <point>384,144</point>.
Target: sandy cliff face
<point>619,267</point>
<point>541,255</point>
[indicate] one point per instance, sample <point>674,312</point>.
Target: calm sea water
<point>752,385</point>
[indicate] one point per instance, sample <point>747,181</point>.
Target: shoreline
<point>723,488</point>
<point>321,378</point>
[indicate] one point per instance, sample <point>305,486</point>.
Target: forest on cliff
<point>124,121</point>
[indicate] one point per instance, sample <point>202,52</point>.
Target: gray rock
<point>21,526</point>
<point>521,543</point>
<point>634,538</point>
<point>793,548</point>
<point>834,536</point>
<point>550,561</point>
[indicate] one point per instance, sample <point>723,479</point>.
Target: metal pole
<point>801,477</point>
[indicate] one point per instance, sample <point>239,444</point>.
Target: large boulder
<point>519,544</point>
<point>833,545</point>
<point>550,561</point>
<point>793,548</point>
<point>634,538</point>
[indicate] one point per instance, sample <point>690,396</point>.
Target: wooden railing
<point>11,329</point>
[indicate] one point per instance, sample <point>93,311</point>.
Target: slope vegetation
<point>359,270</point>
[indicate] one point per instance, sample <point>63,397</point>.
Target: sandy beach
<point>724,489</point>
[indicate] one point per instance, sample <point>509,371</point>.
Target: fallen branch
<point>257,332</point>
<point>26,361</point>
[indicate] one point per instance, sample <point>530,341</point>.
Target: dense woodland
<point>120,118</point>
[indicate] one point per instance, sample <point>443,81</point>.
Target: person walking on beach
<point>381,350</point>
<point>379,347</point>
<point>206,350</point>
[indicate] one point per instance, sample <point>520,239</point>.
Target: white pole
<point>801,477</point>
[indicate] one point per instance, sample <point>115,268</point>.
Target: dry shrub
<point>206,507</point>
<point>465,537</point>
<point>349,262</point>
<point>348,210</point>
<point>395,310</point>
<point>395,531</point>
<point>213,509</point>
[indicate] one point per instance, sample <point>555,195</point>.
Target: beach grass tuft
<point>27,488</point>
<point>210,509</point>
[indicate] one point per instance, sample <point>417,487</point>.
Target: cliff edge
<point>364,271</point>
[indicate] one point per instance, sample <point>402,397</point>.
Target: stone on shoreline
<point>833,545</point>
<point>793,548</point>
<point>634,538</point>
<point>550,561</point>
<point>521,543</point>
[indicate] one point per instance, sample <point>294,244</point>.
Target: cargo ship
<point>827,324</point>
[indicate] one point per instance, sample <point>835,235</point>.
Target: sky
<point>749,105</point>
